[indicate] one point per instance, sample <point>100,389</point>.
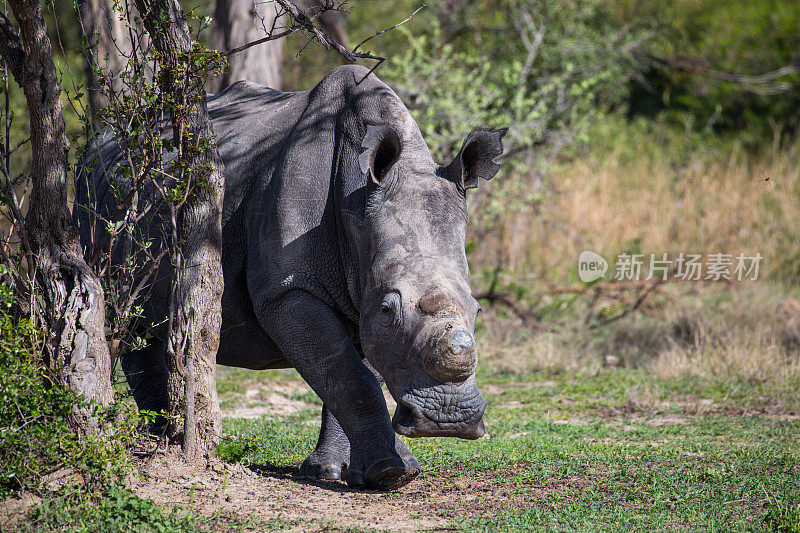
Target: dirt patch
<point>666,420</point>
<point>274,400</point>
<point>277,400</point>
<point>13,509</point>
<point>621,411</point>
<point>268,493</point>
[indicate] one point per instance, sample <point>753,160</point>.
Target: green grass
<point>608,449</point>
<point>604,451</point>
<point>119,510</point>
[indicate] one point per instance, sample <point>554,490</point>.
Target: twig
<point>269,37</point>
<point>300,17</point>
<point>630,309</point>
<point>393,27</point>
<point>503,297</point>
<point>761,84</point>
<point>317,34</point>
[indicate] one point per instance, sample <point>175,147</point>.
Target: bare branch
<point>306,23</point>
<point>761,84</point>
<point>270,37</point>
<point>391,28</point>
<point>300,17</point>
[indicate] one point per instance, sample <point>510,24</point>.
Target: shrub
<point>35,437</point>
<point>553,64</point>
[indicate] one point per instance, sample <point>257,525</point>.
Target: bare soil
<point>266,493</point>
<point>276,400</point>
<point>273,401</point>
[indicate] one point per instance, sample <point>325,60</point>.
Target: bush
<point>545,70</point>
<point>553,65</point>
<point>35,436</point>
<point>742,37</point>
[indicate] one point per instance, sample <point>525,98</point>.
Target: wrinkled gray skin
<point>342,240</point>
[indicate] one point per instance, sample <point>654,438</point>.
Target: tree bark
<point>74,307</point>
<point>238,22</point>
<point>197,283</point>
<point>112,43</point>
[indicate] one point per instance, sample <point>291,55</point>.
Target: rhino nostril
<point>460,341</point>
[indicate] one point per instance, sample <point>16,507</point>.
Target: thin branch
<point>300,17</point>
<point>761,84</point>
<point>11,47</point>
<point>387,29</point>
<point>318,35</point>
<point>630,309</point>
<point>244,47</point>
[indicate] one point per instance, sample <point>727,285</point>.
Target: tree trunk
<point>111,42</point>
<point>74,307</point>
<point>197,283</point>
<point>238,22</point>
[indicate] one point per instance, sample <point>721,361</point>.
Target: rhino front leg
<point>316,343</point>
<point>332,455</point>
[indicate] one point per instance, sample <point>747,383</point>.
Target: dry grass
<point>746,338</point>
<point>652,198</point>
<point>631,195</point>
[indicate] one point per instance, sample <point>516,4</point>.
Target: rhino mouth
<point>444,410</point>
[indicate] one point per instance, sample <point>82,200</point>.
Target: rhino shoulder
<point>349,79</point>
<point>242,90</point>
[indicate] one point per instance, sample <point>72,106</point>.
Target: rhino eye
<point>390,309</point>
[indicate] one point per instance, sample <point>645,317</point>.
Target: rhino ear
<point>476,158</point>
<point>382,148</point>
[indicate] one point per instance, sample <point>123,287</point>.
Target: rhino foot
<point>331,464</point>
<point>385,474</point>
<point>331,458</point>
<point>325,466</point>
<point>389,473</point>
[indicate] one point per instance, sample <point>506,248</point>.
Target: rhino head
<point>417,313</point>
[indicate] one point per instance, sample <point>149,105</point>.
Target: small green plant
<point>33,412</point>
<point>117,511</point>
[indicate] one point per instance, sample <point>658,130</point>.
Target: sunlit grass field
<point>598,449</point>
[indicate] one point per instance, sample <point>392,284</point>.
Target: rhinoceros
<point>343,257</point>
